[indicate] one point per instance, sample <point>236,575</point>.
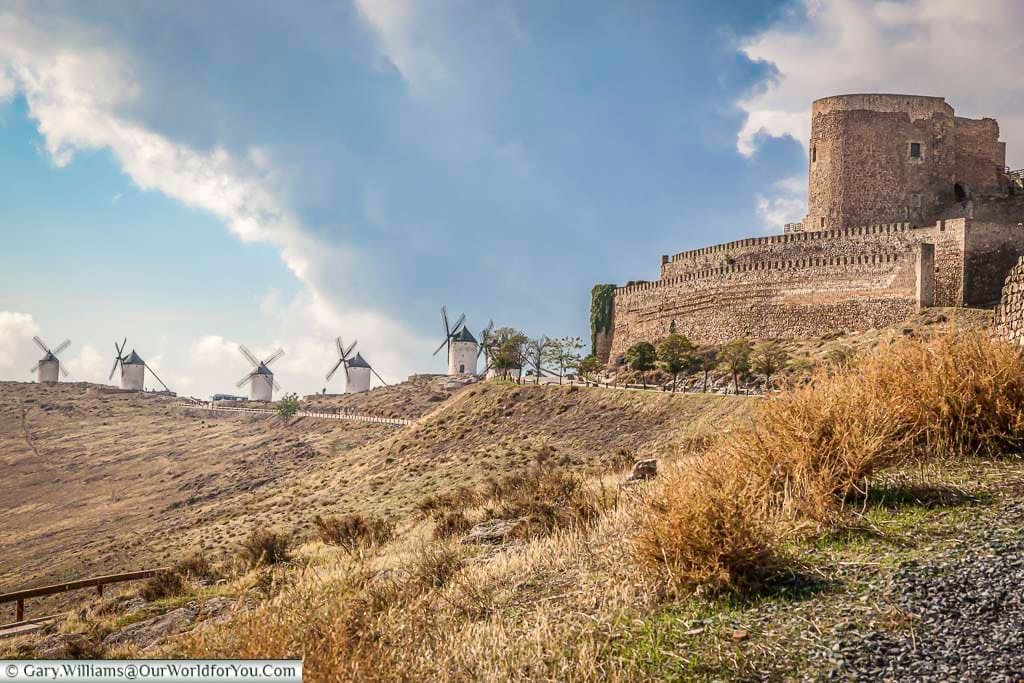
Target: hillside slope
<point>492,428</point>
<point>99,482</point>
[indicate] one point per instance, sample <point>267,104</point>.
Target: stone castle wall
<point>810,284</point>
<point>1009,316</point>
<point>793,298</point>
<point>840,249</point>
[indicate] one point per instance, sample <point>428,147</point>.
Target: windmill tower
<point>49,368</point>
<point>357,369</point>
<point>133,369</point>
<point>462,345</point>
<point>260,379</point>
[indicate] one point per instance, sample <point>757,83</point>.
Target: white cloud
<point>90,366</point>
<point>394,24</point>
<point>787,205</point>
<point>77,84</point>
<point>17,352</point>
<point>965,51</point>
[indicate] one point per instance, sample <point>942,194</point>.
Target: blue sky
<point>193,176</point>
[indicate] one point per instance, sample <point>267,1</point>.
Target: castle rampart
<point>832,274</point>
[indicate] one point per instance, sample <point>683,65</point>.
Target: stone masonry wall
<point>802,298</point>
<point>861,170</point>
<point>839,249</point>
<point>1009,316</point>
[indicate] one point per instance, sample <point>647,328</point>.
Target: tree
<point>506,350</point>
<point>735,358</point>
<point>768,358</point>
<point>676,353</point>
<point>641,357</point>
<point>707,360</point>
<point>589,365</point>
<point>537,353</point>
<point>288,406</point>
<point>563,354</point>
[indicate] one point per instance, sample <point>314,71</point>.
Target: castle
<point>908,206</point>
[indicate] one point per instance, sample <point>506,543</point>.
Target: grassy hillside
<point>411,399</point>
<point>492,428</point>
<point>98,482</point>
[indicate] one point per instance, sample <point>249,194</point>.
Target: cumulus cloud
<point>89,365</point>
<point>965,51</point>
<point>17,352</point>
<point>78,84</point>
<point>787,205</point>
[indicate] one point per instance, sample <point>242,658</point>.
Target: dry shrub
<point>197,566</point>
<point>264,546</point>
<point>163,584</point>
<point>450,524</point>
<point>953,395</point>
<point>354,530</point>
<point>547,497</point>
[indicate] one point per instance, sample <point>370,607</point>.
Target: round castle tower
<point>877,158</point>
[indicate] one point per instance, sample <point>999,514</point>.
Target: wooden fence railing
<point>97,582</point>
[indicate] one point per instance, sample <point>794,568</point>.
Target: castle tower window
<point>814,153</point>
<point>823,221</point>
<point>915,150</point>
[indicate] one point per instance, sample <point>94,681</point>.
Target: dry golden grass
<point>719,523</point>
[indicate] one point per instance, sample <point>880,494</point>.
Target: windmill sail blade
<point>63,345</point>
<point>348,377</point>
<point>63,370</point>
<point>245,380</point>
<point>444,317</point>
<point>333,370</point>
<point>276,385</point>
<point>157,377</point>
<point>341,347</point>
<point>378,376</point>
<point>348,351</point>
<point>113,369</point>
<point>443,344</point>
<point>274,356</point>
<point>458,324</point>
<point>41,344</point>
<point>248,355</point>
<point>34,368</point>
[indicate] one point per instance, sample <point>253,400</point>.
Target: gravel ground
<point>964,617</point>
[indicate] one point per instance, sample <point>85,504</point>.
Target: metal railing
<point>97,582</point>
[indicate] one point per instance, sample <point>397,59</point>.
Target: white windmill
<point>49,367</point>
<point>357,369</point>
<point>260,379</point>
<point>133,369</point>
<point>462,346</point>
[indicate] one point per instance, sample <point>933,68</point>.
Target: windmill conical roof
<point>358,362</point>
<point>133,359</point>
<point>464,335</point>
<point>48,357</point>
<point>263,370</point>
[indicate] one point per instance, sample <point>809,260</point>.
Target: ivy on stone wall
<point>602,301</point>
